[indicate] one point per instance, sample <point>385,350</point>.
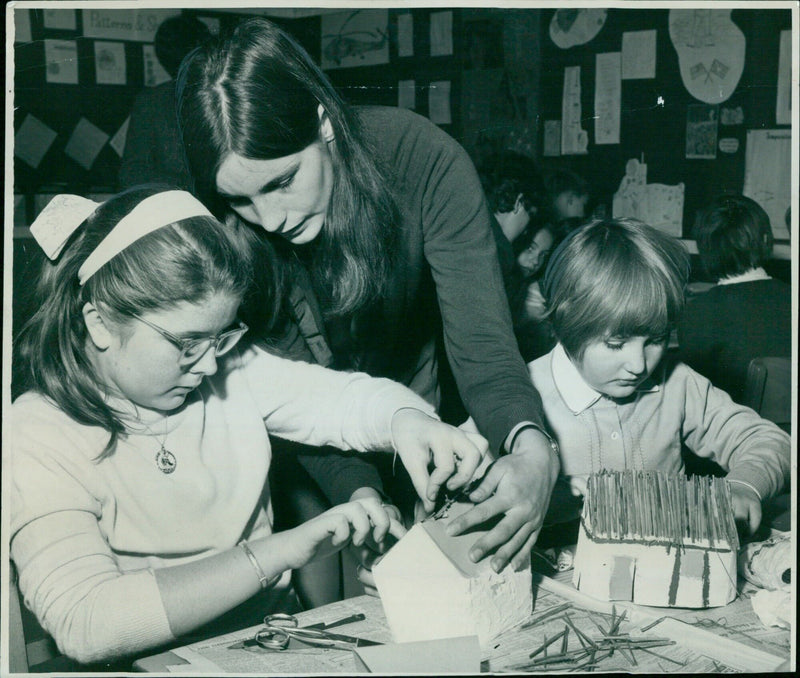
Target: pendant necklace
<point>165,460</point>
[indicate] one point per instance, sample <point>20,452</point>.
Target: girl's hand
<point>420,440</point>
<point>746,507</point>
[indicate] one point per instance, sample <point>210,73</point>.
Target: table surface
<point>724,639</point>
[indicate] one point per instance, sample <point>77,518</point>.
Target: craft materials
<point>657,539</point>
<point>768,564</point>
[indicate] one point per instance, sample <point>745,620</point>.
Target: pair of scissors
<point>281,629</point>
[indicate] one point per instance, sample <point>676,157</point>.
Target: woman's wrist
<point>266,563</point>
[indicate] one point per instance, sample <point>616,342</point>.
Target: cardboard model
<point>657,539</point>
<point>430,588</point>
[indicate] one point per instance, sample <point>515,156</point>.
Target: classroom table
<point>726,639</point>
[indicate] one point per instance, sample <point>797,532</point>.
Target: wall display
<point>85,144</point>
<point>139,25</point>
<point>701,132</point>
<point>355,38</point>
<point>607,98</point>
<point>574,139</point>
<point>638,55</point>
<point>405,35</point>
<point>439,102</point>
<point>154,73</point>
<point>441,33</point>
<point>60,19</point>
<point>109,62</point>
<point>767,157</point>
<point>571,27</point>
<point>711,51</point>
<point>729,145</point>
<point>117,142</point>
<point>22,25</point>
<point>783,106</point>
<point>659,205</point>
<point>406,94</point>
<point>731,116</point>
<point>552,138</point>
<point>61,61</point>
<point>33,140</point>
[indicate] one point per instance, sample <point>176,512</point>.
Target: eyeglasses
<point>194,349</point>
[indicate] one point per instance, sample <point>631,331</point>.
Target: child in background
<point>614,288</point>
<point>567,196</point>
<point>747,314</point>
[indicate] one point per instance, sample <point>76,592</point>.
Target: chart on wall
<point>768,155</point>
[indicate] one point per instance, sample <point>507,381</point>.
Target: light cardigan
<point>675,406</point>
<point>87,535</point>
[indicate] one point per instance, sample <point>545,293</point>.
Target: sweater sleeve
<point>749,448</point>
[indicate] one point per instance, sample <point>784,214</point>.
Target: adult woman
<point>139,455</point>
<point>385,214</point>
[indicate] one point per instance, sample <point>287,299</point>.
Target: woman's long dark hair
<point>257,94</point>
<point>187,261</point>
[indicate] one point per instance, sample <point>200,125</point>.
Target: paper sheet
<point>570,27</point>
<point>109,61</point>
<point>441,33</point>
<point>552,138</point>
<point>767,175</point>
<point>701,132</point>
<point>154,72</point>
<point>405,35</point>
<point>355,38</point>
<point>638,55</point>
<point>61,59</point>
<point>783,110</point>
<point>607,98</point>
<point>117,142</point>
<point>406,94</point>
<point>574,139</point>
<point>33,140</point>
<point>22,25</point>
<point>659,205</point>
<point>62,19</point>
<point>439,102</point>
<point>138,24</point>
<point>85,144</point>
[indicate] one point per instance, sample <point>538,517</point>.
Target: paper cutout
<point>571,27</point>
<point>33,140</point>
<point>61,60</point>
<point>22,25</point>
<point>117,142</point>
<point>607,98</point>
<point>439,102</point>
<point>638,55</point>
<point>459,656</point>
<point>441,33</point>
<point>710,51</point>
<point>405,35</point>
<point>109,61</point>
<point>85,144</point>
<point>731,116</point>
<point>783,105</point>
<point>138,24</point>
<point>407,94</point>
<point>659,205</point>
<point>40,201</point>
<point>574,139</point>
<point>154,72</point>
<point>767,175</point>
<point>552,138</point>
<point>701,132</point>
<point>355,38</point>
<point>62,19</point>
<point>729,145</point>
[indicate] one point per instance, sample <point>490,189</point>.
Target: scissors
<point>281,629</point>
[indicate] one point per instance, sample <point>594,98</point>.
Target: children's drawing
<point>355,38</point>
<point>710,51</point>
<point>570,27</point>
<point>659,205</point>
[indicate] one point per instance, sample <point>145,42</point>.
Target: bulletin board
<point>656,112</point>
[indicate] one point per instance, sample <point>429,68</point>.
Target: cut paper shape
<point>406,94</point>
<point>656,539</point>
<point>441,33</point>
<point>439,102</point>
<point>33,140</point>
<point>658,205</point>
<point>460,656</point>
<point>355,38</point>
<point>430,588</point>
<point>109,61</point>
<point>729,145</point>
<point>574,139</point>
<point>117,142</point>
<point>60,19</point>
<point>710,51</point>
<point>22,25</point>
<point>701,132</point>
<point>405,35</point>
<point>154,72</point>
<point>607,98</point>
<point>572,27</point>
<point>783,105</point>
<point>731,116</point>
<point>767,175</point>
<point>552,138</point>
<point>638,55</point>
<point>61,61</point>
<point>85,144</point>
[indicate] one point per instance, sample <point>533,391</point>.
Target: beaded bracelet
<point>263,579</point>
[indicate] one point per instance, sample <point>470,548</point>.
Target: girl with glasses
<point>139,502</point>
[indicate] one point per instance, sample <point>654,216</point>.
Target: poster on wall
<point>59,19</point>
<point>139,25</point>
<point>607,98</point>
<point>355,38</point>
<point>22,25</point>
<point>767,175</point>
<point>574,139</point>
<point>85,144</point>
<point>109,62</point>
<point>701,132</point>
<point>638,55</point>
<point>61,61</point>
<point>33,140</point>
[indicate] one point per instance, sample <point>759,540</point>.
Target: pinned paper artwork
<point>783,106</point>
<point>439,102</point>
<point>61,61</point>
<point>430,589</point>
<point>60,19</point>
<point>109,60</point>
<point>607,98</point>
<point>22,25</point>
<point>574,139</point>
<point>701,132</point>
<point>552,138</point>
<point>85,144</point>
<point>657,539</point>
<point>355,38</point>
<point>441,33</point>
<point>638,55</point>
<point>729,145</point>
<point>33,140</point>
<point>767,175</point>
<point>710,50</point>
<point>405,35</point>
<point>154,72</point>
<point>406,94</point>
<point>117,142</point>
<point>731,116</point>
<point>659,205</point>
<point>571,27</point>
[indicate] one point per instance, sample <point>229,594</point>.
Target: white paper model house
<point>657,539</point>
<point>430,588</point>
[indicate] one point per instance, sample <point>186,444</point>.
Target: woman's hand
<point>746,507</point>
<point>420,440</point>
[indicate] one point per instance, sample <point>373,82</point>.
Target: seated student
<point>614,288</point>
<point>567,196</point>
<point>139,502</point>
<point>746,314</point>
